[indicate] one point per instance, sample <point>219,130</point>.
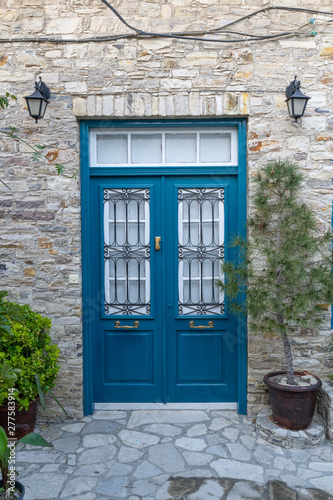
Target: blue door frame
<point>90,175</point>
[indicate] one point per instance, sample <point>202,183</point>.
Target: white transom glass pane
<point>111,148</point>
<point>126,251</point>
<point>215,147</point>
<point>200,250</point>
<point>116,147</point>
<point>146,148</point>
<point>180,148</point>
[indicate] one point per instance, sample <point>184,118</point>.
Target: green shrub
<point>29,348</point>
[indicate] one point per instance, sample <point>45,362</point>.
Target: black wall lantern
<point>296,100</point>
<point>38,101</point>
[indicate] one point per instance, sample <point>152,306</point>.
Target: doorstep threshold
<point>165,406</point>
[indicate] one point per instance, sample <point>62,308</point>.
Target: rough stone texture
<point>325,406</point>
<point>273,433</point>
<point>167,471</point>
<point>150,78</point>
<point>279,491</point>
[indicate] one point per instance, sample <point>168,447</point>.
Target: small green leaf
<point>63,409</point>
<point>59,168</point>
<point>3,441</point>
<point>34,439</point>
<point>40,392</point>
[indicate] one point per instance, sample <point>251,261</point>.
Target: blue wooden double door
<point>161,329</point>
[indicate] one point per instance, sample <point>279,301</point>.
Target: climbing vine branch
<point>37,151</point>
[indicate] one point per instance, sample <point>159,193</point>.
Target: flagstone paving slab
<point>166,416</point>
<point>95,440</point>
<point>97,455</point>
<point>170,455</point>
<point>127,454</point>
<point>245,491</point>
<point>209,489</point>
<point>78,485</point>
<point>43,486</point>
<point>164,429</point>
<point>167,458</point>
<point>138,439</point>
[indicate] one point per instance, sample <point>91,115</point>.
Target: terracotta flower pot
<point>25,420</point>
<point>19,486</point>
<point>292,406</point>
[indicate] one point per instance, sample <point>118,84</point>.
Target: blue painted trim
<point>163,297</point>
<point>88,407</point>
<point>86,173</point>
<point>242,217</point>
<point>167,171</point>
<point>164,123</point>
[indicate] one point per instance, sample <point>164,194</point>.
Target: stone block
<point>91,105</point>
<point>107,105</point>
<point>79,106</point>
<point>76,87</point>
<point>325,406</point>
<point>63,25</point>
<point>280,491</point>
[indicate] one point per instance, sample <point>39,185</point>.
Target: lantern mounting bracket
<point>43,88</point>
<point>292,87</point>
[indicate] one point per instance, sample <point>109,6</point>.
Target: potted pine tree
<point>281,279</point>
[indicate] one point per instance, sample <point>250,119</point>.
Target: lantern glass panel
<point>43,108</point>
<point>299,105</point>
<point>290,107</point>
<point>34,106</point>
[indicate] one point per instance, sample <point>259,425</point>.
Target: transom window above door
<point>171,147</point>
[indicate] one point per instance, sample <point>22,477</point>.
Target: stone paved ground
<point>168,454</point>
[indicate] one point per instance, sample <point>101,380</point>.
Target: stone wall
<point>325,406</point>
<point>147,78</point>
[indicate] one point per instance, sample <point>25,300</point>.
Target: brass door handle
<point>157,242</point>
<point>210,325</point>
<point>117,325</point>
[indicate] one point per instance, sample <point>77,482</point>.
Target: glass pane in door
<point>127,251</point>
<point>200,250</point>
